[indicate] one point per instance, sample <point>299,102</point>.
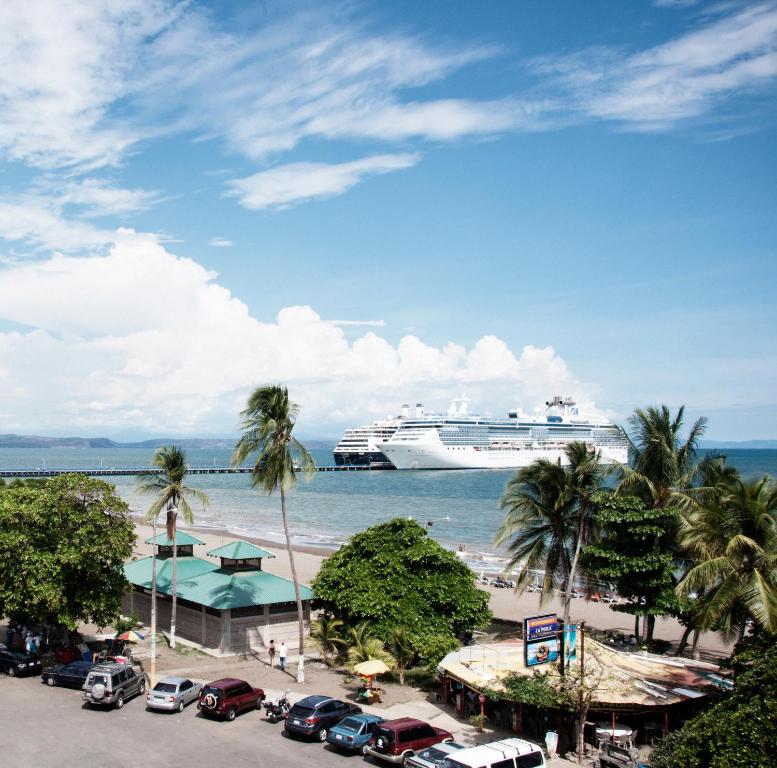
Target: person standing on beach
<point>271,651</point>
<point>282,656</point>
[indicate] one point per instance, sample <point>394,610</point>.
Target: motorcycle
<point>277,710</point>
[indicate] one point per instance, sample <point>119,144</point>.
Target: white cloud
<point>220,242</point>
<point>684,78</point>
<point>141,340</point>
<point>63,66</point>
<point>285,185</point>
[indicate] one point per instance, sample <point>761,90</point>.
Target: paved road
<point>42,727</point>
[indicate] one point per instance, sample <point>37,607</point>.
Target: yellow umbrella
<point>371,667</point>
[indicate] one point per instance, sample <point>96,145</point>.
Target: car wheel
<point>142,687</point>
<point>322,734</point>
<point>180,706</point>
<point>11,672</point>
<point>406,757</point>
<point>364,750</point>
<point>449,740</point>
<point>51,681</point>
<point>120,701</point>
<point>231,714</point>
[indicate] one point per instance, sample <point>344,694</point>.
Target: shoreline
<point>506,605</point>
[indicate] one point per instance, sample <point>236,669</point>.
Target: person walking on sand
<point>271,651</point>
<point>282,656</point>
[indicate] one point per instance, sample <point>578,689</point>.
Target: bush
<point>126,623</point>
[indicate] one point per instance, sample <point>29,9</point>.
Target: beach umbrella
<point>371,667</point>
<point>130,636</point>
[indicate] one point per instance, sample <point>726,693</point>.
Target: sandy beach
<point>506,605</point>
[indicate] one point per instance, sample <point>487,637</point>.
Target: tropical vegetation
<point>63,544</point>
<point>549,519</point>
<point>393,575</point>
<point>172,495</point>
<point>267,424</point>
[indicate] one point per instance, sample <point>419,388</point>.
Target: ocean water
<point>332,506</point>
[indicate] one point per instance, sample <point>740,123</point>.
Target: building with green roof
<point>227,603</point>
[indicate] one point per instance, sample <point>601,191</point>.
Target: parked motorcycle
<point>277,710</point>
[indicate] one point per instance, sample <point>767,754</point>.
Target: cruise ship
<point>359,445</point>
<point>459,440</point>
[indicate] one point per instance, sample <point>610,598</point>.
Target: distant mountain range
<point>35,441</point>
<point>720,445</point>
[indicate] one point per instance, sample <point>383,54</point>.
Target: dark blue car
<point>71,675</point>
<point>353,733</point>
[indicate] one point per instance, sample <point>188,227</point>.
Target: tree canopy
<point>62,547</point>
<point>739,728</point>
<point>394,575</point>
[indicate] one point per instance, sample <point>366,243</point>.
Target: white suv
<point>507,753</point>
<point>112,684</point>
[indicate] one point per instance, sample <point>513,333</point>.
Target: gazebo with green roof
<point>233,606</point>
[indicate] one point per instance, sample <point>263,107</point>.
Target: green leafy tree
<point>549,518</point>
<point>326,633</point>
<point>172,495</point>
<point>267,425</point>
<point>369,648</point>
<point>730,533</point>
<point>738,729</point>
<point>402,651</point>
<point>62,547</point>
<point>633,554</point>
<point>394,575</point>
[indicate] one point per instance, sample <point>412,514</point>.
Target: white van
<point>507,753</point>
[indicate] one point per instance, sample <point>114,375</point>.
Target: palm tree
<point>326,632</point>
<point>172,495</point>
<point>730,532</point>
<point>549,518</point>
<point>662,463</point>
<point>363,646</point>
<point>401,651</point>
<point>267,424</point>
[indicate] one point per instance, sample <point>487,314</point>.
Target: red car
<point>228,697</point>
<point>395,740</point>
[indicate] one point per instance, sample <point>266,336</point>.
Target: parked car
<point>315,715</point>
<point>172,693</point>
<point>71,675</point>
<point>432,757</point>
<point>506,753</point>
<point>228,697</point>
<point>112,684</point>
<point>17,663</point>
<point>353,733</point>
<point>396,740</point>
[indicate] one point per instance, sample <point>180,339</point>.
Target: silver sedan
<point>172,693</point>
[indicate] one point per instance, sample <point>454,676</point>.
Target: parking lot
<point>42,727</point>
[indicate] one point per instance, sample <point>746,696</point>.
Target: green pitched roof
<point>228,589</point>
<point>181,537</point>
<point>139,571</point>
<point>240,550</point>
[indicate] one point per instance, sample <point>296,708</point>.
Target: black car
<point>314,715</point>
<point>72,675</point>
<point>15,663</point>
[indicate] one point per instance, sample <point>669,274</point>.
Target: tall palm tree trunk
<point>153,608</point>
<point>684,640</point>
<point>175,593</point>
<point>300,614</point>
<point>572,572</point>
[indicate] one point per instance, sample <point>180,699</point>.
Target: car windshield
<point>298,711</point>
<point>102,679</point>
<point>350,724</point>
<point>449,763</point>
<point>210,690</point>
<point>165,687</point>
<point>433,755</point>
<point>386,734</point>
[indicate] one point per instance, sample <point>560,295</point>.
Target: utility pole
<point>153,606</point>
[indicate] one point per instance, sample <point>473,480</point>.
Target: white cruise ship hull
<point>471,457</point>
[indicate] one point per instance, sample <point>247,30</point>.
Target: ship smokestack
<point>405,411</point>
<point>419,409</point>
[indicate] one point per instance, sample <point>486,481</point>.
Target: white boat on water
<point>459,440</point>
<point>359,445</point>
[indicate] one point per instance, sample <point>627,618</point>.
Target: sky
<point>385,202</point>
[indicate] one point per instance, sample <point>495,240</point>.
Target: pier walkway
<point>114,472</point>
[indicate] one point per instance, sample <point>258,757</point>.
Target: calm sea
<point>333,505</point>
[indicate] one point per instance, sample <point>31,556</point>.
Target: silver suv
<point>113,684</point>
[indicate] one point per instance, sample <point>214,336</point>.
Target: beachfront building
<point>227,603</point>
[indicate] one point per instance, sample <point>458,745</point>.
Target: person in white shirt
<point>282,653</point>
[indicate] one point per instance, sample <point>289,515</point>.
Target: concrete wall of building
<point>228,634</point>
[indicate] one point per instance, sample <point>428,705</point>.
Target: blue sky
<point>385,202</point>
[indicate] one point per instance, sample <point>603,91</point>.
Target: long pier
<point>113,472</point>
